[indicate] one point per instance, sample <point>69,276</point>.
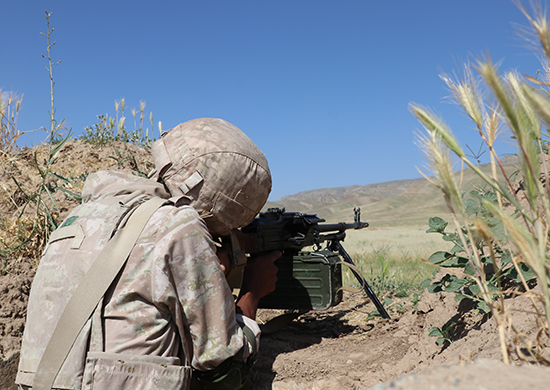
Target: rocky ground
<point>340,348</point>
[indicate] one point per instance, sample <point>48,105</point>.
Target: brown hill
<point>394,203</point>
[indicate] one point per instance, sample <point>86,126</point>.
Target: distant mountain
<point>394,203</point>
<point>370,192</point>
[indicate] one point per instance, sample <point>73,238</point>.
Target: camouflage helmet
<point>218,167</point>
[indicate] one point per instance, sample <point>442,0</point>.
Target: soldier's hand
<point>260,277</point>
<point>260,274</point>
<point>225,259</point>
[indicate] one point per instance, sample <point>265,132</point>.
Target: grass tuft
<point>9,111</point>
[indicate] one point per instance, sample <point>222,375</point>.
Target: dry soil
<point>340,348</point>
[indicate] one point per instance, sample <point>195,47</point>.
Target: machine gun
<point>306,280</point>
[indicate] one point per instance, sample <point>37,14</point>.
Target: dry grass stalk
<point>9,110</point>
<point>523,109</point>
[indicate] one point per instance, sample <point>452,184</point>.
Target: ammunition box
<point>306,281</point>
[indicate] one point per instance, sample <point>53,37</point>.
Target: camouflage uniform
<point>173,285</point>
<point>171,299</point>
<point>170,308</point>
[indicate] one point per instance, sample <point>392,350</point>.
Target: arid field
<point>344,347</point>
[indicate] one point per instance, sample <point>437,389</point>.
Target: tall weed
<point>503,230</point>
<point>38,211</point>
<point>36,229</point>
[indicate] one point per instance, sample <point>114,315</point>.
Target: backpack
<point>63,338</point>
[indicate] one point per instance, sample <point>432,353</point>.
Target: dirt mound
<point>483,374</point>
<point>21,172</point>
<point>15,284</point>
<point>21,176</point>
<point>340,348</point>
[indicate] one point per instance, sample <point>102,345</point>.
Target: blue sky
<point>322,87</point>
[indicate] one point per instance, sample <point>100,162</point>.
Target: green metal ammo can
<point>306,281</point>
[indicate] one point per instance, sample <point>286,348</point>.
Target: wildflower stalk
<point>53,122</point>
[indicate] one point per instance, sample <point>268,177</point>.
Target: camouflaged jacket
<point>168,309</point>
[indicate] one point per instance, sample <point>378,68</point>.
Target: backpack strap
<point>89,292</point>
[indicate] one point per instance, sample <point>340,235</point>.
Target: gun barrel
<point>340,226</point>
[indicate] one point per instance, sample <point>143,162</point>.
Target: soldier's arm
<point>259,280</point>
<point>224,343</point>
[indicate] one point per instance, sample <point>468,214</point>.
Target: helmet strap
<point>239,259</point>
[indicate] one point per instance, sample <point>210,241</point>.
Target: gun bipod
<point>337,247</point>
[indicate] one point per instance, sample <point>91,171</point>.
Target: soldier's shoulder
<point>181,218</point>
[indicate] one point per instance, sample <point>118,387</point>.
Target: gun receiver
<point>276,229</point>
<point>290,232</point>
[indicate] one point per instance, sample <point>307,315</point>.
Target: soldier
<point>169,314</point>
